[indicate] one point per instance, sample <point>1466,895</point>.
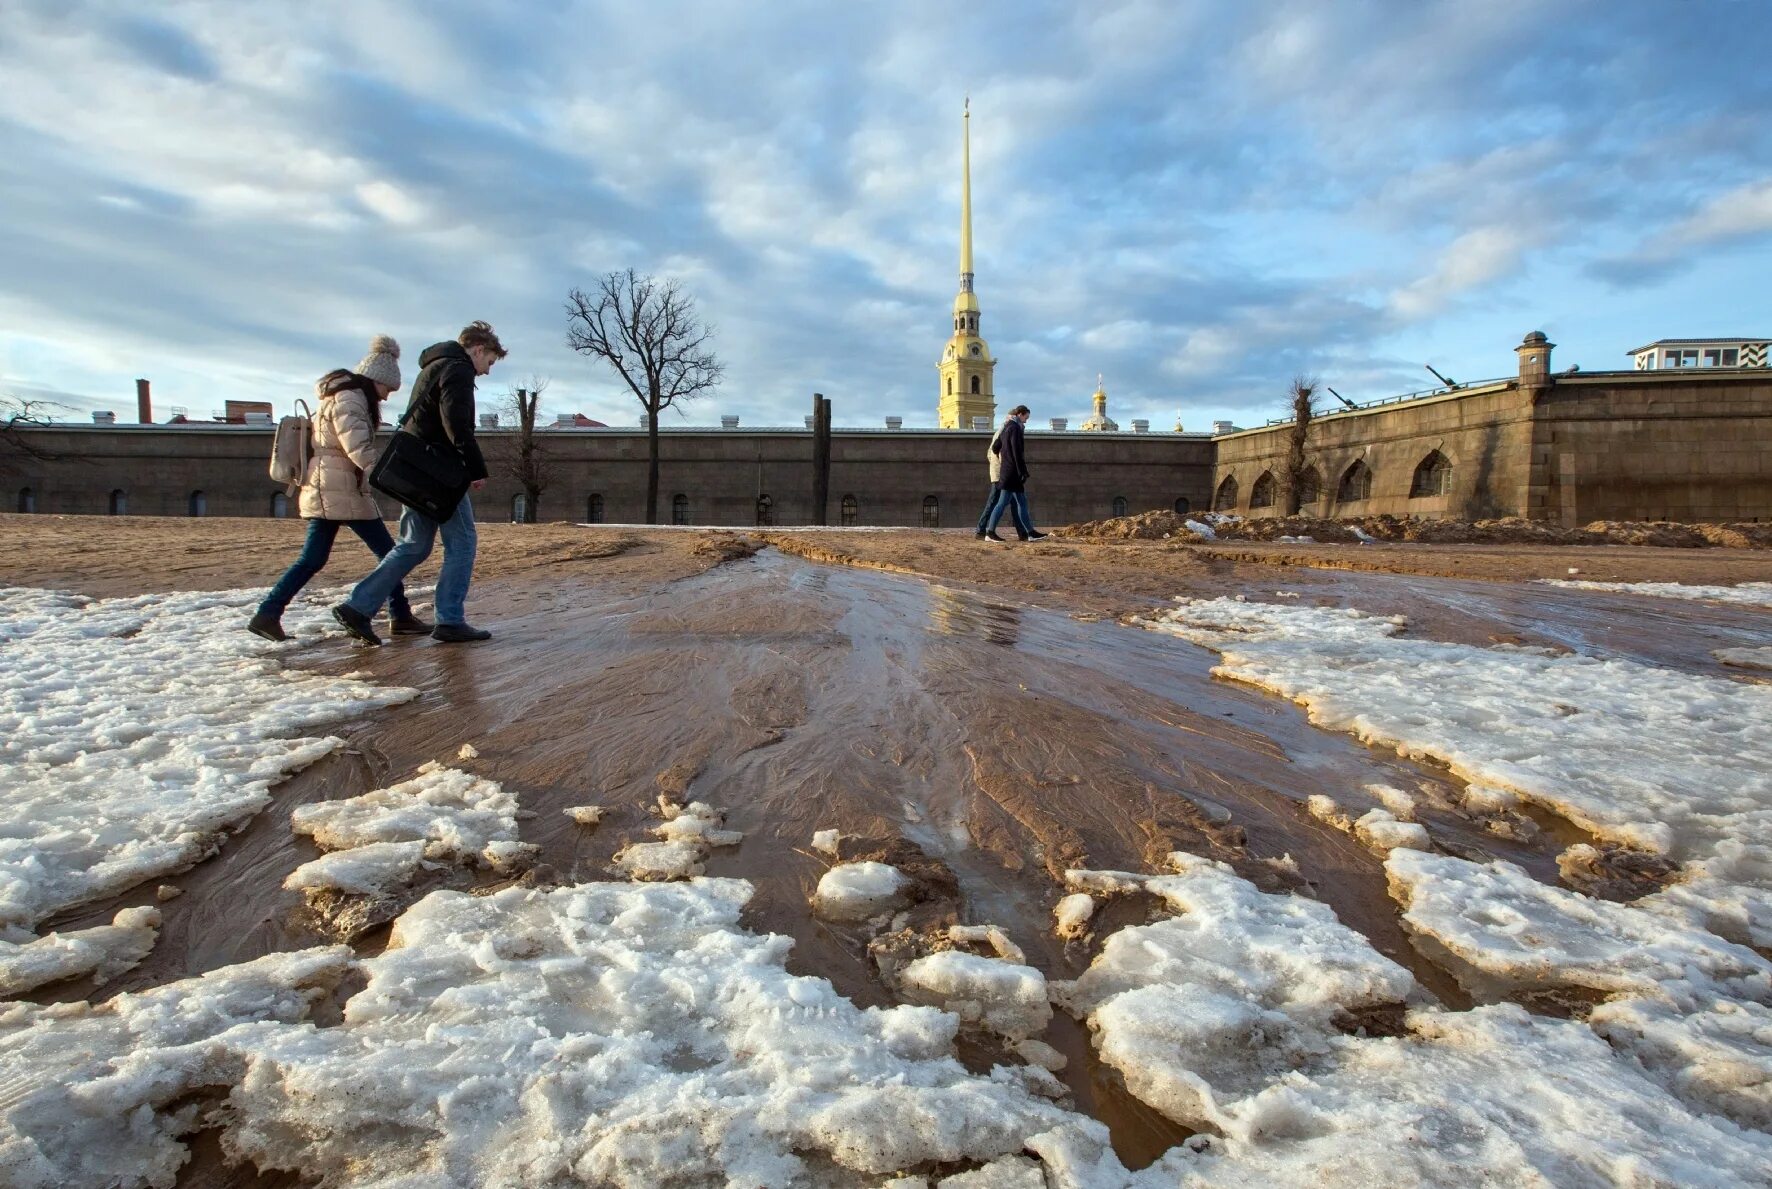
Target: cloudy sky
<point>1196,199</point>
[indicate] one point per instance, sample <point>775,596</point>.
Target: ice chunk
<point>1005,1172</point>
<point>1750,594</point>
<point>989,935</point>
<point>661,860</point>
<point>1382,832</point>
<point>456,815</point>
<point>1400,802</point>
<point>468,752</point>
<point>1516,932</point>
<point>698,822</point>
<point>90,1095</point>
<point>1325,809</point>
<point>1492,1096</point>
<point>1745,658</point>
<point>103,952</point>
<point>857,891</point>
<point>137,732</point>
<point>584,815</point>
<point>1038,1052</point>
<point>826,841</point>
<point>375,869</point>
<point>1718,1057</point>
<point>1073,913</point>
<point>1227,995</point>
<point>167,891</point>
<point>997,995</point>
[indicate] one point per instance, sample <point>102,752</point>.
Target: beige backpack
<point>292,447</point>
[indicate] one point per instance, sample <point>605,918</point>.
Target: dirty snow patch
<point>135,733</point>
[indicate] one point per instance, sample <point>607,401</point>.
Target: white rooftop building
<point>1671,353</point>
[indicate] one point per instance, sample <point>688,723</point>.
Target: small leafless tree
<point>1303,394</point>
<point>525,458</point>
<point>649,332</point>
<point>19,413</point>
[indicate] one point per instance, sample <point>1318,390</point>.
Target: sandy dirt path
<point>984,734</point>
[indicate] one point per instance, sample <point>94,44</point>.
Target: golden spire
<point>966,197</point>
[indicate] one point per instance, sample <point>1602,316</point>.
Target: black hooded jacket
<point>442,407</point>
<point>1009,446</point>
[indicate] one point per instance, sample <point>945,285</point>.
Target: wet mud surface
<point>999,741</point>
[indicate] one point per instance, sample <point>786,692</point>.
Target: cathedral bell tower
<point>966,366</point>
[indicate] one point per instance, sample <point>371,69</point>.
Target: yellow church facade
<point>967,370</point>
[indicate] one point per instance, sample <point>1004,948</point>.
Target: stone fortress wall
<point>1570,448</point>
<point>1687,445</point>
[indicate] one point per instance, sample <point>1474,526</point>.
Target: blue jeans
<point>418,533</point>
<point>984,525</point>
<point>1016,503</point>
<point>314,552</point>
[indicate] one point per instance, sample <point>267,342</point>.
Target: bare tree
<point>19,413</point>
<point>525,459</point>
<point>1303,394</point>
<point>649,332</point>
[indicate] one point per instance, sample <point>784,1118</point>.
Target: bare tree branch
<point>1303,397</point>
<point>18,413</point>
<point>647,330</point>
<point>524,458</point>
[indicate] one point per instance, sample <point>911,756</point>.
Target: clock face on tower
<point>976,349</point>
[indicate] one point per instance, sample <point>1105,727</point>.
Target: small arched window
<point>1182,506</point>
<point>974,385</point>
<point>931,512</point>
<point>279,505</point>
<point>1262,494</point>
<point>594,508</point>
<point>1432,477</point>
<point>765,511</point>
<point>851,511</point>
<point>1310,486</point>
<point>680,508</point>
<point>1225,499</point>
<point>1355,485</point>
<point>1120,505</point>
<point>519,508</point>
<point>119,503</point>
<point>27,500</point>
<point>199,504</point>
<point>950,385</point>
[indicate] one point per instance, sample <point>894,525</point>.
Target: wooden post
<point>821,458</point>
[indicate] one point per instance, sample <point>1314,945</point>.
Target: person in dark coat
<point>440,412</point>
<point>1011,447</point>
<point>994,461</point>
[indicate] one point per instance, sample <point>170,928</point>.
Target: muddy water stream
<point>1004,742</point>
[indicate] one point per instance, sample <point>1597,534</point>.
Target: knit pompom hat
<point>382,364</point>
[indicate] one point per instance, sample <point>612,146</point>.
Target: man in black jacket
<point>1011,450</point>
<point>441,412</point>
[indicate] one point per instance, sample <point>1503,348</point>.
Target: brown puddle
<point>1006,742</point>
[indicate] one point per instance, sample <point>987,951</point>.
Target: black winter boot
<point>268,626</point>
<point>356,623</point>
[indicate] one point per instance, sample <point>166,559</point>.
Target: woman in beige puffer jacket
<point>335,493</point>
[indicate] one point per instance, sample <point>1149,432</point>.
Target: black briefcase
<point>427,478</point>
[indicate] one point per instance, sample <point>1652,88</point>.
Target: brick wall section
<point>1075,476</point>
